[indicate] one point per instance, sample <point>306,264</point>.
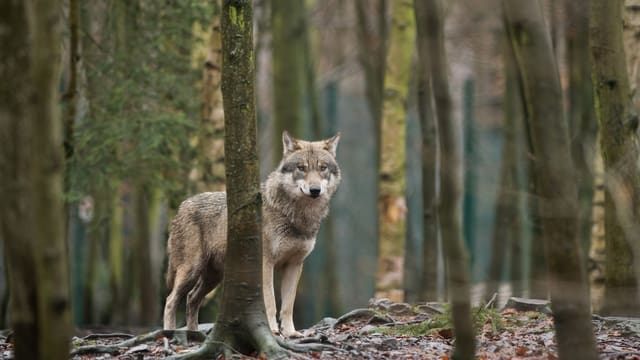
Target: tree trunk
<point>620,152</point>
<point>632,46</point>
<point>116,258</point>
<point>429,278</point>
<point>391,192</point>
<point>31,166</point>
<point>242,322</point>
<point>450,206</point>
<point>146,287</point>
<point>290,90</point>
<point>555,182</point>
<point>373,29</point>
<point>208,174</point>
<point>583,128</point>
<point>507,226</point>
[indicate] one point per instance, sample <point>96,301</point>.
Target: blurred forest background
<point>143,130</point>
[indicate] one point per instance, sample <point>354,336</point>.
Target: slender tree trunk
<point>146,287</point>
<point>31,166</point>
<point>583,127</point>
<point>450,205</point>
<point>290,91</point>
<point>620,152</point>
<point>429,278</point>
<point>514,130</point>
<point>208,174</point>
<point>373,30</point>
<point>116,258</point>
<point>507,230</point>
<point>242,322</point>
<point>391,200</point>
<point>557,198</point>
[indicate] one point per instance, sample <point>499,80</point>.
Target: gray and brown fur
<point>295,200</point>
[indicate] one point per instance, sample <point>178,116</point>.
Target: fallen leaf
<point>521,350</point>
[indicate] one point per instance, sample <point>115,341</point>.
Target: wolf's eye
<point>323,167</point>
<point>302,167</point>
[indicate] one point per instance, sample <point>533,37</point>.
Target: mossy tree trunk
<point>428,288</point>
<point>450,205</point>
<point>242,322</point>
<point>620,152</point>
<point>31,167</point>
<point>555,181</point>
<point>391,192</point>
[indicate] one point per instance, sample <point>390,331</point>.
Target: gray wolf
<point>295,200</point>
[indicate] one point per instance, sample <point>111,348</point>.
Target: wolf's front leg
<point>269,295</point>
<point>290,277</point>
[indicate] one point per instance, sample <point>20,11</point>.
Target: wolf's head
<point>309,168</point>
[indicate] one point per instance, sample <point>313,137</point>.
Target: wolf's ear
<point>289,144</point>
<point>332,144</point>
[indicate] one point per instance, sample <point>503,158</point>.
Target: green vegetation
<point>438,322</point>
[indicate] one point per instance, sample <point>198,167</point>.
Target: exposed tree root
<point>307,345</point>
<point>356,314</point>
<point>181,335</point>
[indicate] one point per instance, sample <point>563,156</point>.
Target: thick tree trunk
<point>391,196</point>
<point>242,322</point>
<point>429,278</point>
<point>31,166</point>
<point>450,205</point>
<point>555,181</point>
<point>620,152</point>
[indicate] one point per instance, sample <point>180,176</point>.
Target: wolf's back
<point>198,234</point>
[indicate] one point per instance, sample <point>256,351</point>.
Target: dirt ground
<point>387,330</point>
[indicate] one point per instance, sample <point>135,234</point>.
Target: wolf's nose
<point>314,190</point>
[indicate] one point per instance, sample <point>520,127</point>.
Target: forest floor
<point>389,330</point>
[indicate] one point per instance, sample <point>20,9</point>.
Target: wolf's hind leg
<point>180,286</point>
<point>204,285</point>
<point>290,277</point>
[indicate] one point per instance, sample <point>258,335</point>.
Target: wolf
<point>295,200</point>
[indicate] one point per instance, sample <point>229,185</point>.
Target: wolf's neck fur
<point>299,214</point>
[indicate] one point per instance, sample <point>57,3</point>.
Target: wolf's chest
<point>289,249</point>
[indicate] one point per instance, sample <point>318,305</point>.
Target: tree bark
<point>391,192</point>
<point>620,152</point>
<point>373,31</point>
<point>555,182</point>
<point>429,278</point>
<point>242,322</point>
<point>583,127</point>
<point>208,174</point>
<point>31,166</point>
<point>450,205</point>
<point>291,95</point>
<point>507,234</point>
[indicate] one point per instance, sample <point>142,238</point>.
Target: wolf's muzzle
<point>314,191</point>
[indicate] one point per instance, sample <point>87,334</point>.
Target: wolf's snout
<point>314,190</point>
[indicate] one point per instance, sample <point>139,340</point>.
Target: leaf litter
<point>386,330</point>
